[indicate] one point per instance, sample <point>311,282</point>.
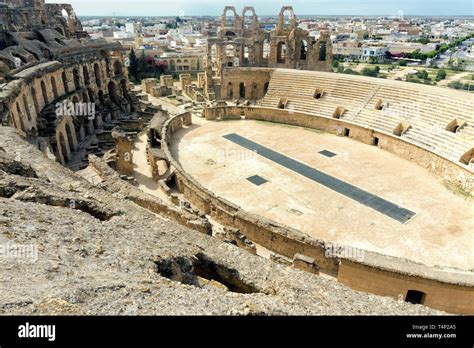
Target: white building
<point>376,52</point>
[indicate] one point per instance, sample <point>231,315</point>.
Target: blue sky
<point>270,7</point>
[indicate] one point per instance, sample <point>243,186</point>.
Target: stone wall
<point>436,164</point>
<point>244,83</point>
<point>452,298</point>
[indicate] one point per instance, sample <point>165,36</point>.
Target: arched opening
<point>123,85</point>
<point>20,117</point>
<point>101,97</point>
<point>246,55</point>
<point>266,50</point>
<point>107,66</point>
<point>214,54</point>
<point>95,122</point>
<point>35,100</point>
<point>60,31</point>
<point>230,51</point>
<point>70,137</point>
<point>65,84</point>
<point>85,97</point>
<point>77,128</point>
<point>322,51</point>
<point>117,68</point>
<point>62,145</point>
<point>229,20</point>
<point>44,92</point>
<point>304,50</point>
<point>281,52</point>
<point>265,87</point>
<point>242,90</point>
<point>249,20</point>
<point>90,92</point>
<point>27,108</point>
<point>77,80</point>
<point>65,15</point>
<point>254,91</point>
<point>113,92</point>
<point>98,80</point>
<point>54,87</point>
<point>230,91</point>
<point>85,72</point>
<point>288,16</point>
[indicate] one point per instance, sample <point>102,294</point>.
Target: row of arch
<point>70,131</point>
<point>31,102</point>
<point>243,90</point>
<point>233,60</point>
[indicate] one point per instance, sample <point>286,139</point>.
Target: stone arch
<point>85,73</point>
<point>227,21</point>
<point>35,100</point>
<point>242,89</point>
<point>246,55</point>
<point>281,52</point>
<point>250,22</point>
<point>98,79</point>
<point>90,93</point>
<point>229,50</point>
<point>322,51</point>
<point>44,92</point>
<point>65,15</point>
<point>254,90</point>
<point>291,18</point>
<point>101,96</point>
<point>85,97</point>
<point>113,92</point>
<point>105,56</point>
<point>77,79</point>
<point>304,50</point>
<point>27,108</point>
<point>63,147</point>
<point>213,54</point>
<point>124,88</point>
<point>75,99</point>
<point>54,87</point>
<point>65,84</point>
<point>71,135</point>
<point>266,50</point>
<point>117,68</point>
<point>20,117</point>
<point>230,91</point>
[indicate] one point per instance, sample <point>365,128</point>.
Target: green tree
<point>403,63</point>
<point>369,72</point>
<point>133,67</point>
<point>441,75</point>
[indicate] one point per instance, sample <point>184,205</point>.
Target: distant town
<point>429,50</point>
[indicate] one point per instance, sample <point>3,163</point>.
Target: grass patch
<point>456,189</point>
<point>271,123</point>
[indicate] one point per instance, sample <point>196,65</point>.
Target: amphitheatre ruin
<point>269,185</point>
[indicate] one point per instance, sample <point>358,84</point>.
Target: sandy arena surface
<point>440,234</point>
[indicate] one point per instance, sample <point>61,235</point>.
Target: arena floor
<point>439,234</point>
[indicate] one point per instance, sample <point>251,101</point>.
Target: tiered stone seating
<point>428,110</point>
<point>299,87</point>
